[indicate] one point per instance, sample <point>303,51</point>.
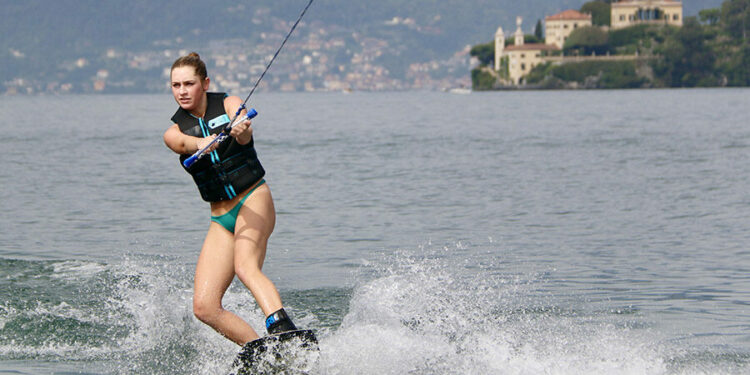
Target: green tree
<point>735,17</point>
<point>482,80</point>
<point>484,52</point>
<point>587,40</point>
<point>710,16</point>
<point>736,69</point>
<point>601,12</point>
<point>687,60</point>
<point>538,32</point>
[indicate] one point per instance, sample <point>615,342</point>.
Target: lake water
<point>555,232</point>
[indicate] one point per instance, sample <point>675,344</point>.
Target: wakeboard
<point>291,352</point>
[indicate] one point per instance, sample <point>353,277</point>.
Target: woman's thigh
<point>255,222</point>
<point>215,269</point>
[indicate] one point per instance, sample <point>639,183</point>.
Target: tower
<point>519,33</point>
<point>499,46</point>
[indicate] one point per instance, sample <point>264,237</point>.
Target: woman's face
<point>188,88</point>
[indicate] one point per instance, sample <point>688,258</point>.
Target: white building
<point>557,28</point>
<point>522,57</point>
<point>633,12</point>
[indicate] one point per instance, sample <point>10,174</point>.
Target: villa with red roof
<point>558,27</point>
<point>514,62</point>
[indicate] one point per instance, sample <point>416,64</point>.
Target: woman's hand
<point>184,144</point>
<point>203,142</point>
<point>242,132</point>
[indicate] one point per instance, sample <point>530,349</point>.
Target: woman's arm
<point>182,143</point>
<point>242,132</point>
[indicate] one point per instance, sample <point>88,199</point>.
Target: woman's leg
<point>255,223</point>
<point>213,274</point>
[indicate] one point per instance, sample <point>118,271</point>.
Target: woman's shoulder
<point>231,102</point>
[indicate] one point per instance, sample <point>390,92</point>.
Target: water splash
<point>427,313</point>
<point>429,310</point>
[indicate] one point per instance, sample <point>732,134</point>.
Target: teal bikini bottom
<point>229,219</point>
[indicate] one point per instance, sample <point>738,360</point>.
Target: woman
<point>242,210</point>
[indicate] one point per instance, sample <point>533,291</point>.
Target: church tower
<point>499,46</point>
<point>519,32</point>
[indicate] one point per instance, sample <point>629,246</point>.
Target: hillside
<point>89,46</point>
<point>711,50</point>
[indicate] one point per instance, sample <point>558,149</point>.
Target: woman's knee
<point>247,270</point>
<point>206,311</point>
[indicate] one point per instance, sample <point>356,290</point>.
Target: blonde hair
<point>194,60</point>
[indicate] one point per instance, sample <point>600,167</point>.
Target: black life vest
<point>228,170</point>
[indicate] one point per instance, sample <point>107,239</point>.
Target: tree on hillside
<point>735,17</point>
<point>736,69</point>
<point>587,40</point>
<point>484,52</point>
<point>710,17</point>
<point>482,80</point>
<point>538,32</point>
<point>601,12</point>
<point>687,61</point>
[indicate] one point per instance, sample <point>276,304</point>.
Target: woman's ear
<point>206,83</point>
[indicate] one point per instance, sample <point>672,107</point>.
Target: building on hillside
<point>634,12</point>
<point>521,57</point>
<point>558,27</point>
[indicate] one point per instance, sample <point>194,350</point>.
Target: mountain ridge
<point>47,46</point>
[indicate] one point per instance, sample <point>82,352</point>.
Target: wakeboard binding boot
<point>279,322</point>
